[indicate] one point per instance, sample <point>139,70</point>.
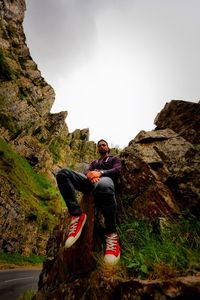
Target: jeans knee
<point>62,174</point>
<point>104,186</point>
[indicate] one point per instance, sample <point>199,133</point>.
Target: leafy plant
<point>149,253</point>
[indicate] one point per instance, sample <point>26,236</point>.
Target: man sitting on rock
<point>100,179</point>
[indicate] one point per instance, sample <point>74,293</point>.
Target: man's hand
<point>94,176</point>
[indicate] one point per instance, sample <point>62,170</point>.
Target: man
<point>100,179</point>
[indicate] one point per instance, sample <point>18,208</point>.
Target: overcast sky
<point>115,63</point>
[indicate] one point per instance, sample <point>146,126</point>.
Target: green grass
<point>27,295</point>
<point>23,175</point>
<point>36,195</point>
<point>20,260</point>
<point>55,148</point>
<point>171,251</point>
<point>197,147</point>
<point>6,70</point>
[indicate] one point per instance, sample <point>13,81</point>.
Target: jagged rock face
<point>12,220</point>
<point>13,239</point>
<point>26,100</point>
<point>160,175</point>
<point>182,117</point>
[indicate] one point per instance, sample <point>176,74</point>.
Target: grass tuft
<point>171,251</point>
<point>27,295</point>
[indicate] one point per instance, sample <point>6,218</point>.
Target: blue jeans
<point>103,191</point>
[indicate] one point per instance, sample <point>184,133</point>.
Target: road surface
<point>14,282</point>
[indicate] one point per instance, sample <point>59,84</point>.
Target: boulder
<point>160,176</point>
<point>182,117</point>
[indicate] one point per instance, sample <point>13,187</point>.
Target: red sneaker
<point>75,229</point>
<point>112,253</point>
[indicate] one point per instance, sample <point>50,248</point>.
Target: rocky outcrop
<point>13,217</point>
<point>106,286</point>
<point>26,101</point>
<point>182,117</point>
<point>160,176</point>
<point>160,180</point>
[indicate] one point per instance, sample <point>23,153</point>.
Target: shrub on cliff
<point>7,72</point>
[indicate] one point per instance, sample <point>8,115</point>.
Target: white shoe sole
<point>111,260</point>
<point>71,240</point>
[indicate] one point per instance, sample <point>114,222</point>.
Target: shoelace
<point>111,242</point>
<point>73,225</point>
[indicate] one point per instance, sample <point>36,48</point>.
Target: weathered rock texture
<point>106,286</point>
<point>65,264</point>
<point>160,176</point>
<point>18,235</point>
<point>26,100</point>
<point>160,179</point>
<point>183,118</point>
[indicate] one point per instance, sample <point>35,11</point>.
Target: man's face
<point>103,147</point>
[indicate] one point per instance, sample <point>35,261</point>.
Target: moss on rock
<point>31,202</point>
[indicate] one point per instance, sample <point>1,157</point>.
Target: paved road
<point>15,281</point>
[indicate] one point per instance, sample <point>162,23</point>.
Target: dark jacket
<point>111,165</point>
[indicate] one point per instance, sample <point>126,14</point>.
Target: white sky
<point>115,63</point>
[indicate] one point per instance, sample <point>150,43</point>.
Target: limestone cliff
<point>26,100</point>
<point>34,133</point>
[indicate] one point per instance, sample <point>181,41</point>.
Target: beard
<point>102,151</point>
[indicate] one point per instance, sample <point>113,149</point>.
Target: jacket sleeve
<point>116,168</point>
